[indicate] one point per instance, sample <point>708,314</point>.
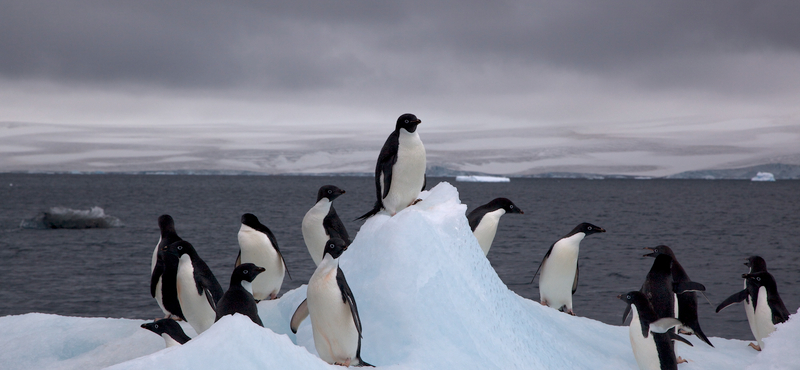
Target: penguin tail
<point>361,363</point>
<point>373,212</point>
<point>699,333</point>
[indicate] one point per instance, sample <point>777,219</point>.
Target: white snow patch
<point>763,176</point>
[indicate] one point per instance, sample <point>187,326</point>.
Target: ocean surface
<point>712,226</point>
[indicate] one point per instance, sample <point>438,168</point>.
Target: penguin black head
<point>178,248</point>
<point>329,191</point>
<point>505,204</point>
<point>660,250</point>
<point>163,326</point>
<point>635,297</point>
<point>762,278</point>
<point>251,220</point>
<point>587,229</point>
<point>166,223</point>
<point>246,272</point>
<point>335,247</point>
<point>408,122</point>
<point>756,264</point>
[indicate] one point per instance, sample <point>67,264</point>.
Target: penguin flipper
<point>383,168</point>
<point>672,335</point>
<point>663,324</point>
<point>300,314</point>
<point>575,282</point>
<point>546,256</point>
<point>348,298</point>
<point>626,313</point>
<point>779,312</point>
<point>205,280</point>
<point>156,275</point>
<point>210,299</point>
<point>687,286</point>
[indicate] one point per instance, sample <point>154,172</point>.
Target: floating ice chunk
<point>68,218</point>
<point>482,179</point>
<point>763,176</point>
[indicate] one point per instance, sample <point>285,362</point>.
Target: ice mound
<point>428,299</point>
<point>68,218</point>
<point>482,179</point>
<point>763,176</point>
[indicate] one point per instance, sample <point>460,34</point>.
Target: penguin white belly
<point>335,333</point>
<point>408,173</point>
<point>763,317</point>
<point>256,248</point>
<point>644,349</point>
<point>558,272</point>
<point>313,233</point>
<point>196,309</point>
<point>750,312</point>
<point>487,229</point>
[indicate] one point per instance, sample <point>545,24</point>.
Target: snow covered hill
<point>428,299</point>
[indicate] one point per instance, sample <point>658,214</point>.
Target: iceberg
<point>482,179</point>
<point>68,218</point>
<point>427,297</point>
<point>763,176</point>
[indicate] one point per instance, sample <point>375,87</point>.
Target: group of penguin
<point>186,289</point>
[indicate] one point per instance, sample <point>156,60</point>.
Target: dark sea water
<point>711,225</point>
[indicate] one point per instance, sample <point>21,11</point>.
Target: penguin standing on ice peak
<point>239,297</point>
<point>651,337</point>
<point>768,307</point>
<point>334,314</point>
<point>168,329</point>
<point>198,289</point>
<point>400,170</point>
<point>686,301</point>
<point>321,223</point>
<point>484,220</point>
<point>749,295</point>
<point>559,268</point>
<point>163,270</point>
<point>258,245</point>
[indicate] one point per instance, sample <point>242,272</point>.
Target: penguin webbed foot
<point>755,346</point>
<point>682,360</point>
<point>345,364</point>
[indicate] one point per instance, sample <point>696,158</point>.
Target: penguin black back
<point>238,298</point>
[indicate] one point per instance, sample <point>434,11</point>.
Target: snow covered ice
<point>482,179</point>
<point>428,299</point>
<point>763,176</point>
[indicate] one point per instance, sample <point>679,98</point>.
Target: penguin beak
<point>418,121</point>
<point>260,269</point>
<point>650,254</point>
<point>600,230</point>
<point>745,276</point>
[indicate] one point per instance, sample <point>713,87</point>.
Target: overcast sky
<point>513,87</point>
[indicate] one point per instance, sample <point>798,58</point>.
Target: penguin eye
<point>155,326</point>
<point>589,227</point>
<point>511,206</point>
<point>406,121</point>
<point>758,279</point>
<point>245,272</point>
<point>180,247</point>
<point>629,296</point>
<point>330,191</point>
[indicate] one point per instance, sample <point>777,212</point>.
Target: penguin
<point>321,223</point>
<point>769,309</point>
<point>651,337</point>
<point>400,170</point>
<point>686,302</point>
<point>749,295</point>
<point>258,245</point>
<point>198,289</point>
<point>158,268</point>
<point>239,297</point>
<point>168,329</point>
<point>559,267</point>
<point>334,314</point>
<point>484,219</point>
